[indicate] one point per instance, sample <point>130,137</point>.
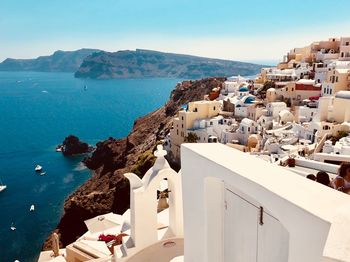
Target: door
<point>252,234</point>
<point>240,229</point>
<point>273,240</point>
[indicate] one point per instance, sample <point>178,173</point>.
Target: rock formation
<point>73,146</point>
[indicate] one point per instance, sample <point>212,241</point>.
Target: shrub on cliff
<point>145,162</point>
<point>191,138</point>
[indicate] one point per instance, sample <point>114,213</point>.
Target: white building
<point>305,113</point>
<point>246,128</point>
<point>274,108</point>
<point>242,212</point>
<point>209,129</point>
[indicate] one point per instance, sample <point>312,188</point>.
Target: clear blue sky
<point>240,30</point>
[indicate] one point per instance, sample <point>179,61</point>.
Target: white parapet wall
<point>237,206</point>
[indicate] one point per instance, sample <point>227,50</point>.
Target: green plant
<point>144,162</point>
<point>191,138</point>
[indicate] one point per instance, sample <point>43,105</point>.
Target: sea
<point>37,111</point>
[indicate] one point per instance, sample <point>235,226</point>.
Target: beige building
<point>336,80</point>
<point>185,120</point>
<point>341,107</point>
<point>344,49</point>
<point>316,51</point>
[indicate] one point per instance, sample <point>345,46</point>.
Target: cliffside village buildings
<point>291,109</point>
<point>227,205</point>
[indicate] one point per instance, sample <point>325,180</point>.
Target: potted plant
<point>291,161</point>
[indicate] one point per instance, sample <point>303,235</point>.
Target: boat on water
<point>59,148</point>
<point>13,228</point>
<point>38,168</point>
<point>32,208</point>
<point>2,186</point>
<point>43,173</point>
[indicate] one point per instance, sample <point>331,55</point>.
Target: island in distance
<point>147,63</point>
<point>97,64</point>
<point>59,61</point>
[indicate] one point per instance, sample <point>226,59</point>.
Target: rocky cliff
<point>60,61</point>
<point>147,63</point>
<point>107,190</point>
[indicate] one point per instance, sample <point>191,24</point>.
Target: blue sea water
<point>37,111</point>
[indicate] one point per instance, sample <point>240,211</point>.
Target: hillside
<point>107,190</point>
<point>60,61</point>
<point>146,63</point>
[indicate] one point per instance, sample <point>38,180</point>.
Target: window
<point>243,128</point>
<point>346,43</point>
<point>177,131</point>
<point>182,118</point>
<point>195,109</point>
<point>292,89</point>
<point>214,108</point>
<point>336,79</point>
<point>287,89</point>
<point>211,123</point>
<point>248,129</point>
<point>182,125</point>
<point>342,54</point>
<point>325,91</point>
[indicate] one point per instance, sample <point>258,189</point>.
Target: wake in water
<point>80,167</point>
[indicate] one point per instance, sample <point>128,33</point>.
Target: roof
<point>343,94</point>
<point>284,112</point>
<point>243,89</point>
<point>247,121</point>
<point>306,81</point>
<point>248,99</point>
<point>343,70</point>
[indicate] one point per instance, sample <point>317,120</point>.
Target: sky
<point>248,30</point>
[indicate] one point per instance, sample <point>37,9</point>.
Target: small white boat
<point>13,228</point>
<point>2,186</point>
<point>43,173</point>
<point>59,148</point>
<point>32,208</point>
<point>38,168</point>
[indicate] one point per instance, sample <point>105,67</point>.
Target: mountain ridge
<point>142,63</point>
<point>59,61</point>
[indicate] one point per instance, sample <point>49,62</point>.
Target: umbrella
<point>103,222</point>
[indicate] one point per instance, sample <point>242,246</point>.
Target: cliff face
<point>147,63</point>
<point>107,190</point>
<point>60,61</point>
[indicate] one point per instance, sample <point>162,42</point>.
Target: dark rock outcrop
<point>73,146</point>
<point>107,190</point>
<point>60,61</point>
<point>147,63</point>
